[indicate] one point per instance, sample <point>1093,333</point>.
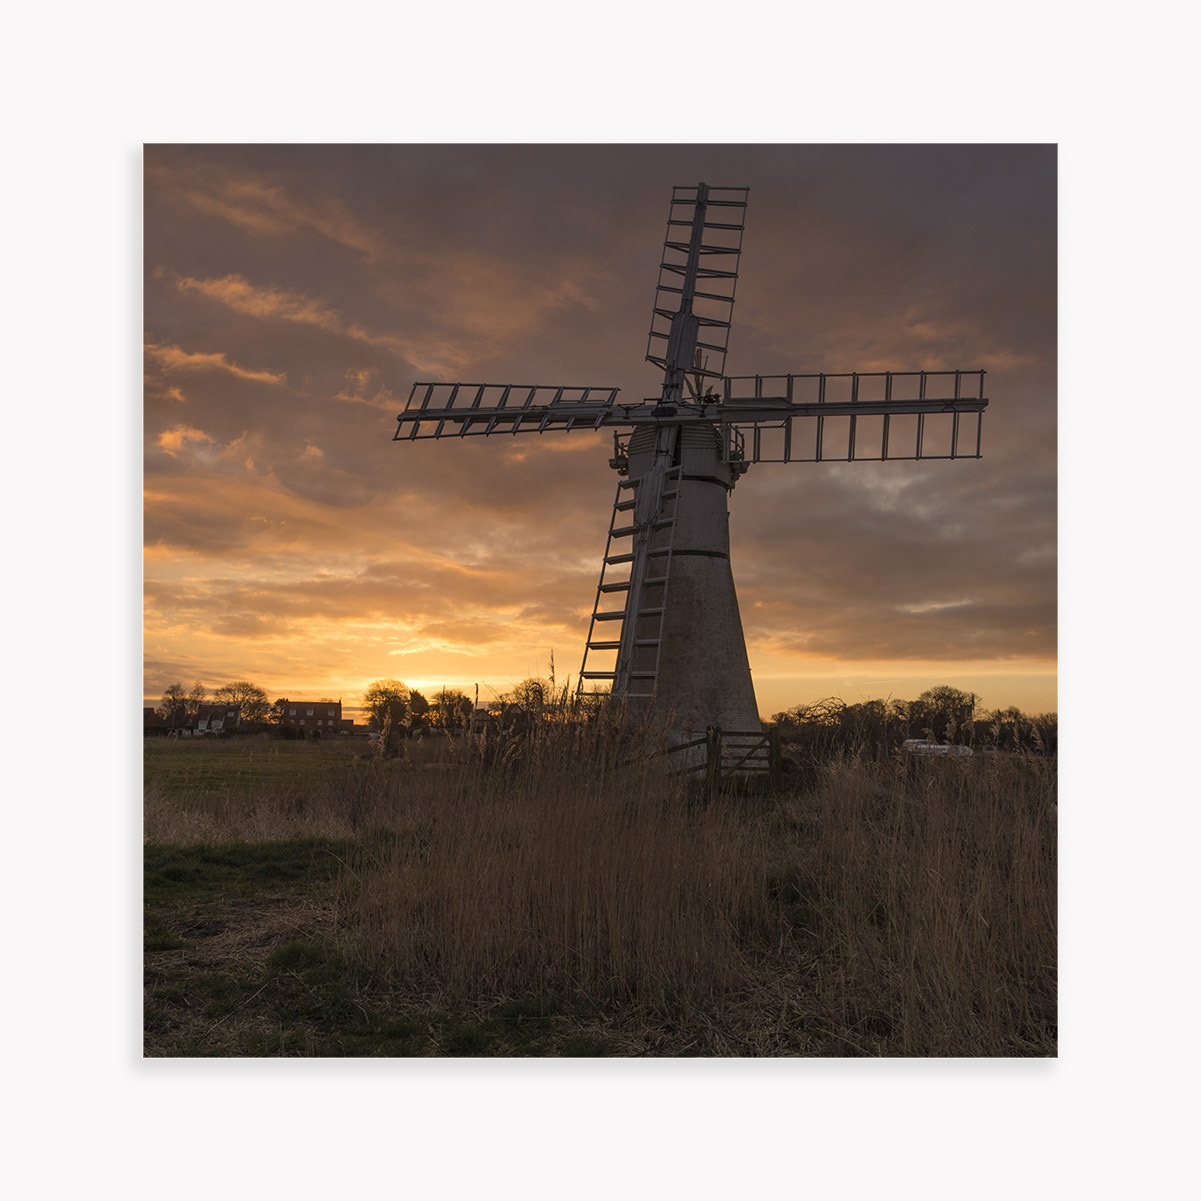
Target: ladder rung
<point>709,224</point>
<point>666,494</point>
<point>626,531</point>
<point>612,560</point>
<point>643,675</point>
<point>598,675</point>
<point>698,292</point>
<point>605,646</point>
<point>685,247</point>
<point>623,586</point>
<point>649,612</point>
<point>616,615</point>
<point>645,642</point>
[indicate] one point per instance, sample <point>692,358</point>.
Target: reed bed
<point>928,896</point>
<point>562,872</point>
<point>882,908</point>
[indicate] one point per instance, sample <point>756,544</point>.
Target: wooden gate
<point>733,754</point>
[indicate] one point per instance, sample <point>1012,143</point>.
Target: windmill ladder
<point>656,571</point>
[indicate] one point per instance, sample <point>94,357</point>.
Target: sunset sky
<point>294,293</point>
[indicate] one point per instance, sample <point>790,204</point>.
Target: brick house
<point>323,716</point>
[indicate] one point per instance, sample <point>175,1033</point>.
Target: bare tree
<point>250,699</point>
<point>195,699</point>
<point>173,708</point>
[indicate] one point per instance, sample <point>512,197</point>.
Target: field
<point>557,899</point>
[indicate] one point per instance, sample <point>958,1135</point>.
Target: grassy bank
<point>244,958</point>
<point>552,901</point>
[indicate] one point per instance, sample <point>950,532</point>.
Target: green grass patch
<point>188,766</point>
<point>297,996</point>
<point>173,873</point>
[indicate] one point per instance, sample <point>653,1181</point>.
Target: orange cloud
<point>954,337</point>
<point>467,300</point>
<point>175,439</point>
<point>363,388</point>
<point>172,358</point>
<point>490,298</point>
<point>261,206</point>
<point>238,294</point>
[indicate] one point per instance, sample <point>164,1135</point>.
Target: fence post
<point>713,759</point>
<point>774,758</point>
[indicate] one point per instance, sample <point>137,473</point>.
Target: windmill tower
<point>665,631</point>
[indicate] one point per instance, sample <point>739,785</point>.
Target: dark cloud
<point>294,293</point>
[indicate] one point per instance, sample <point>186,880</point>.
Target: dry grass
<point>225,946</point>
<point>883,911</point>
<point>323,807</point>
<point>929,898</point>
<point>563,874</point>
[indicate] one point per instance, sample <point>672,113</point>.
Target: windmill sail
<point>694,299</point>
<point>853,417</point>
<point>442,410</point>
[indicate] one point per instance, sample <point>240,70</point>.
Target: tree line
<point>394,710</point>
<point>180,707</point>
<point>942,714</point>
<point>390,705</point>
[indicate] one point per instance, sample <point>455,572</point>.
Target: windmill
<point>665,631</point>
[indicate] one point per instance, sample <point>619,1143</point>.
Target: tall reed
<point>929,895</point>
<point>562,869</point>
